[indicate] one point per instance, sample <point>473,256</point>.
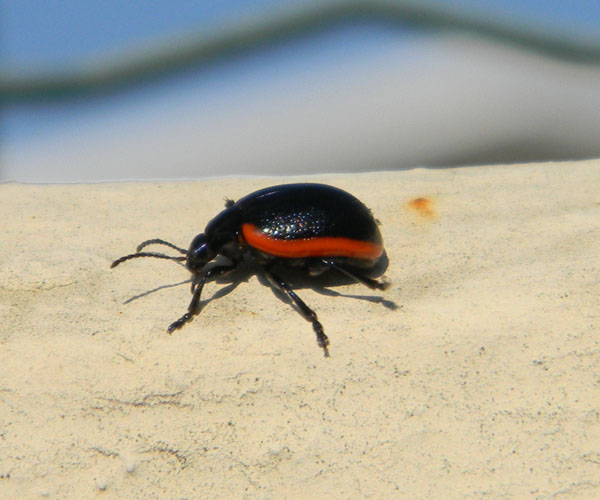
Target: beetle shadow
<point>321,284</point>
<point>388,304</point>
<point>154,290</point>
<point>297,279</point>
<point>230,280</point>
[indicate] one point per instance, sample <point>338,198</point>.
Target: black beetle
<point>314,227</point>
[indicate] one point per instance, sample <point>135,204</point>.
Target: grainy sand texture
<point>483,382</point>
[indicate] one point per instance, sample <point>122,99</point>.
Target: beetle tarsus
<point>322,339</point>
<point>180,322</point>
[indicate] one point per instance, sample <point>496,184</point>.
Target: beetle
<point>313,227</point>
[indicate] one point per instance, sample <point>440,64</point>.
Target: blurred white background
<point>355,95</point>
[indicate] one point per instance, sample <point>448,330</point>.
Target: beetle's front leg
<point>197,285</point>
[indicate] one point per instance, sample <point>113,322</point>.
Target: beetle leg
<point>373,284</point>
<point>306,311</point>
<point>197,285</point>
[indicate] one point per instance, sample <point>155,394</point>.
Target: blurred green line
<point>194,52</point>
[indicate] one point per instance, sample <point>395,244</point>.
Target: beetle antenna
<point>145,254</point>
<point>158,241</point>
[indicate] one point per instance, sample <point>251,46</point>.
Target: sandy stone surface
<point>483,382</point>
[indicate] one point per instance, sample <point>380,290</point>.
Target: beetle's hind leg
<point>306,311</point>
<point>373,284</point>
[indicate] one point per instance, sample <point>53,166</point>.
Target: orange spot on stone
<point>423,206</point>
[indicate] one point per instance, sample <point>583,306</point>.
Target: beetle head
<point>220,235</point>
<point>199,253</point>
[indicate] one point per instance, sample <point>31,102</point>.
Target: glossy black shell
<point>298,211</point>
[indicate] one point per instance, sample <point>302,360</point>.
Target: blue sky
<point>54,34</point>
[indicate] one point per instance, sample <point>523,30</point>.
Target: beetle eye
<point>199,254</point>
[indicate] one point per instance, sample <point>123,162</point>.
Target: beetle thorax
<point>222,232</point>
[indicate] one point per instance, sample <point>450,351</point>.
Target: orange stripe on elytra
<point>322,246</point>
